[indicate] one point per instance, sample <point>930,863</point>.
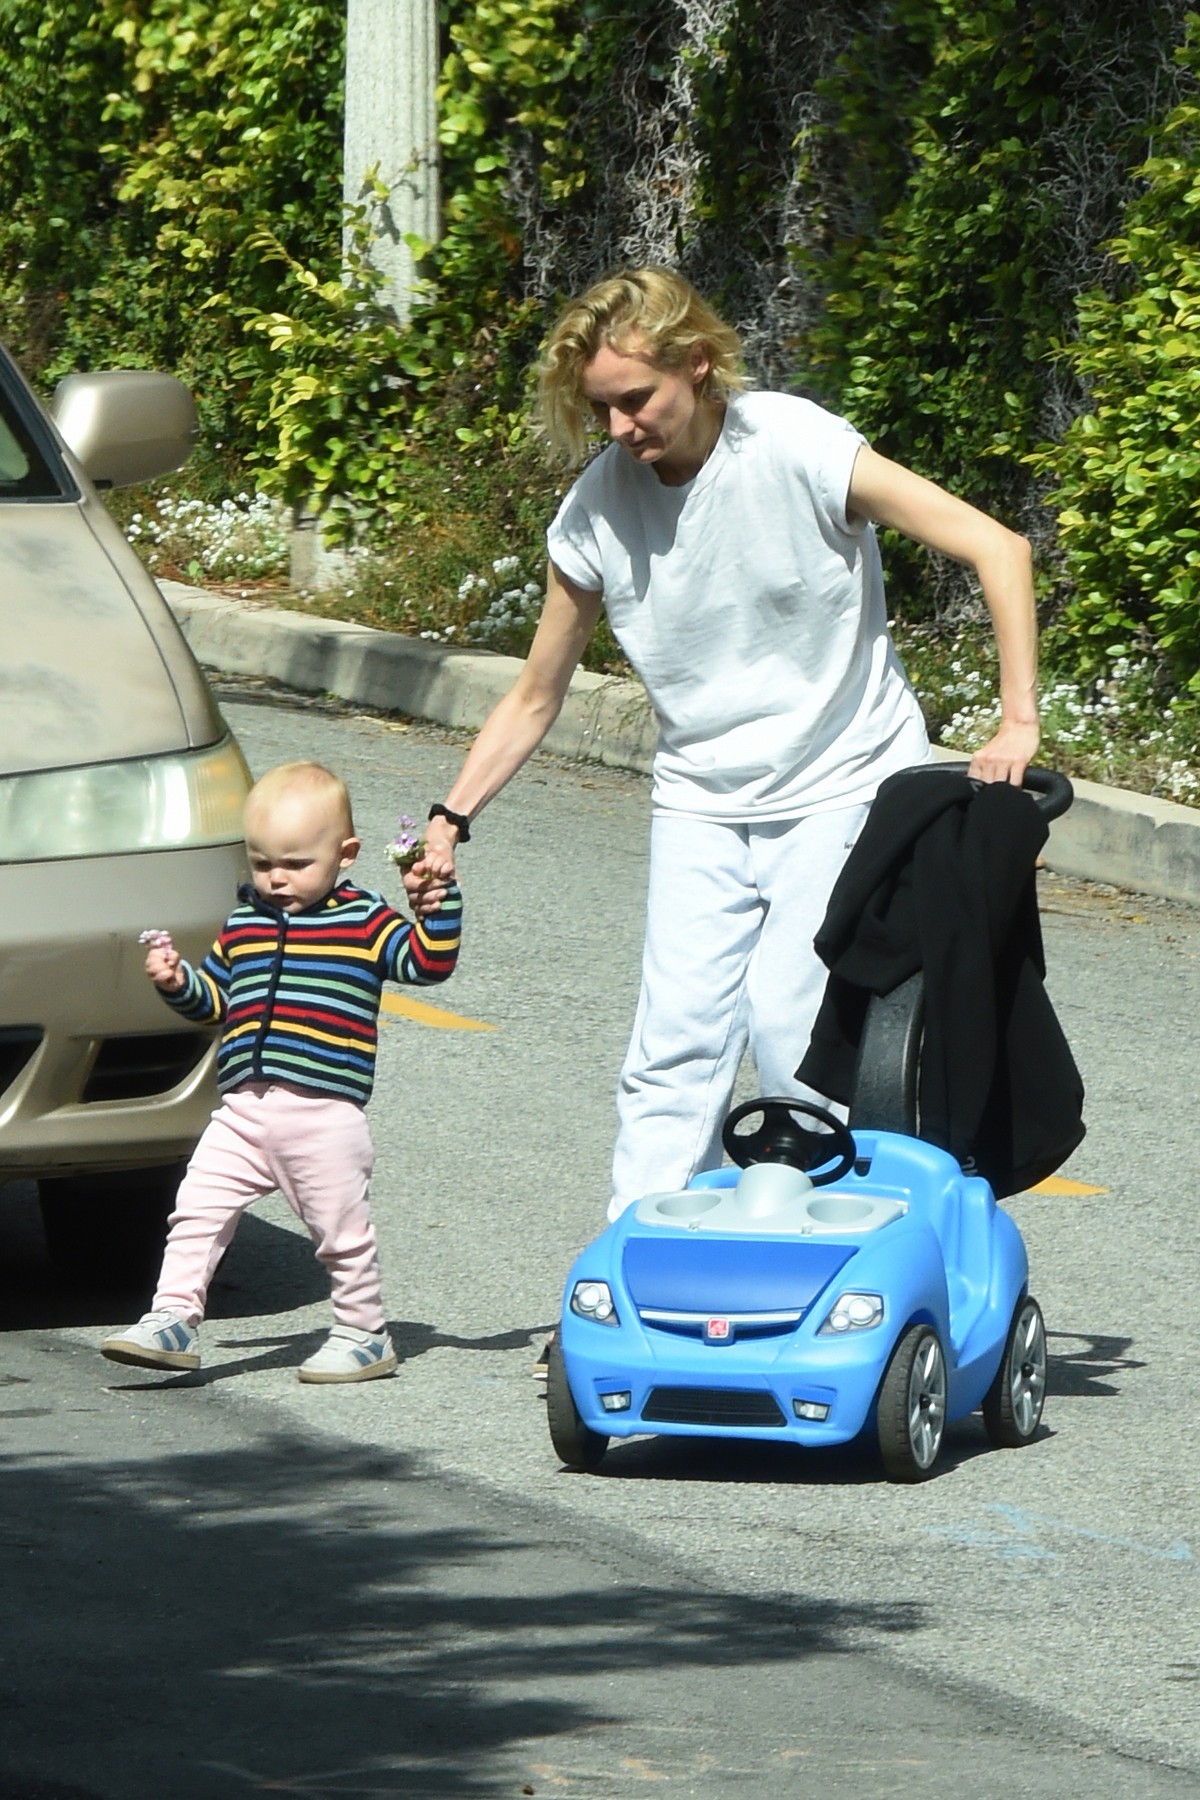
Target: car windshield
<point>26,472</point>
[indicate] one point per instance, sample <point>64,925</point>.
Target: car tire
<point>108,1230</point>
<point>911,1410</point>
<point>575,1443</point>
<point>1012,1406</point>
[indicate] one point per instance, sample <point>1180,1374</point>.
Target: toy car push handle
<point>1052,793</point>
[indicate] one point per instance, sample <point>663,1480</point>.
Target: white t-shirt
<point>753,610</point>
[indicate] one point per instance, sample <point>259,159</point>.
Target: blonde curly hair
<point>649,309</point>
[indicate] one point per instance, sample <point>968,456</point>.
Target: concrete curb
<point>1111,835</point>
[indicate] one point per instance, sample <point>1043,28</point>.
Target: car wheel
<point>575,1443</point>
<point>1012,1406</point>
<point>912,1406</point>
<point>109,1229</point>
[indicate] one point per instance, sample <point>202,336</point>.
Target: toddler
<point>295,980</point>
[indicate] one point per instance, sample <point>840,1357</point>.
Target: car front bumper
<point>96,1072</point>
<point>749,1388</point>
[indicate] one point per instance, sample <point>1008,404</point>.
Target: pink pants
<point>317,1151</point>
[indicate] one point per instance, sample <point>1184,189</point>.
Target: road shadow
<point>267,1269</point>
<point>1082,1366</point>
<point>287,1350</point>
<point>415,1338</point>
<point>748,1462</point>
<point>308,1617</point>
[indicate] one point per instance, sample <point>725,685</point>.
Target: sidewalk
<point>1110,835</point>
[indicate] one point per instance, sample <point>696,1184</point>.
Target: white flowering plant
<point>241,538</point>
<point>505,605</point>
<point>1127,728</point>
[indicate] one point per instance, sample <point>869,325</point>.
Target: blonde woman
<point>729,537</point>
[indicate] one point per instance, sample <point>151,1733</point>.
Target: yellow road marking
<point>1059,1185</point>
<point>424,1014</point>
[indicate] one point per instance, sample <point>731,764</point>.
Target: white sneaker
<point>350,1355</point>
<point>159,1340</point>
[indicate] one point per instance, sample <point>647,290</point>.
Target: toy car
<point>831,1283</point>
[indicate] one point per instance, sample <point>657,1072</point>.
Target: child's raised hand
<point>162,961</point>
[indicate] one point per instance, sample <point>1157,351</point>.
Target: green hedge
<point>143,146</point>
<point>969,224</point>
<point>1127,471</point>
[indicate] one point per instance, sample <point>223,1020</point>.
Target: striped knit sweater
<point>297,994</point>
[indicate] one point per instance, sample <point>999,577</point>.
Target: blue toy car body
<point>769,1304</point>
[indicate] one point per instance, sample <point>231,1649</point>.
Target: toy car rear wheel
<point>1012,1406</point>
<point>911,1412</point>
<point>575,1443</point>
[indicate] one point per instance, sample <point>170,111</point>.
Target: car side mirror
<point>126,425</point>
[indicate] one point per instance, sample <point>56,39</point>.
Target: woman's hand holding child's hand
<point>163,961</point>
<point>427,879</point>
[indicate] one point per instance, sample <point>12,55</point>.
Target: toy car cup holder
<point>847,1212</point>
<point>832,1210</point>
<point>771,1199</point>
<point>681,1209</point>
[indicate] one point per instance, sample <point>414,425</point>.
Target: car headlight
<point>593,1300</point>
<point>854,1312</point>
<point>174,802</point>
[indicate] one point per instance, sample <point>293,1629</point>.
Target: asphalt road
<point>232,1584</point>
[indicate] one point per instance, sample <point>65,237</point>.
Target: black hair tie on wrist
<point>459,820</point>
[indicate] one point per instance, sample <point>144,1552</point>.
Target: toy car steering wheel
<point>781,1138</point>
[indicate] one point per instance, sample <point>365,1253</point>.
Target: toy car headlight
<point>592,1300</point>
<point>854,1312</point>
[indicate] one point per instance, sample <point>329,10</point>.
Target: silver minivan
<point>121,793</point>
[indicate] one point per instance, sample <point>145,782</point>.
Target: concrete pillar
<point>391,127</point>
<point>392,62</point>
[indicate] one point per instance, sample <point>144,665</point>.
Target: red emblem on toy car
<point>718,1331</point>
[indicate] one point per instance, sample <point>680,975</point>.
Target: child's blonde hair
<point>648,308</point>
<point>304,780</point>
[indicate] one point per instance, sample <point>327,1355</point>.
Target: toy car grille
<point>711,1406</point>
<point>689,1324</point>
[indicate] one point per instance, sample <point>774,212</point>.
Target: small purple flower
<point>406,847</point>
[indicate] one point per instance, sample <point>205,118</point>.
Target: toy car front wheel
<point>575,1443</point>
<point>1012,1406</point>
<point>911,1411</point>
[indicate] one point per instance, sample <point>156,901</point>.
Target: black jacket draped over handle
<point>942,881</point>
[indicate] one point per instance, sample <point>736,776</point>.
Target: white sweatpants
<point>728,963</point>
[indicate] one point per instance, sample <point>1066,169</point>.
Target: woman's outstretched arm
<point>889,494</point>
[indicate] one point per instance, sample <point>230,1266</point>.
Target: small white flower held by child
<point>295,1067</point>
